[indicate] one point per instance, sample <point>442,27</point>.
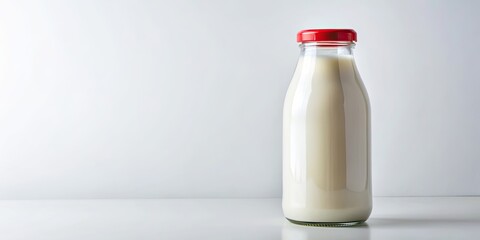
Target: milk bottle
<point>326,134</point>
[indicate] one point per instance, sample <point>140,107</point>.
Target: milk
<point>326,141</point>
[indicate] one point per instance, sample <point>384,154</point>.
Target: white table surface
<point>392,218</point>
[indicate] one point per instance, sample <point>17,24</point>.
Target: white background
<point>144,99</point>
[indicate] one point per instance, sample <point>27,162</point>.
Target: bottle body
<point>326,139</point>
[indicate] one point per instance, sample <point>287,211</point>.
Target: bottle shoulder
<point>324,81</point>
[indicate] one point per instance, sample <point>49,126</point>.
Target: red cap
<point>320,35</point>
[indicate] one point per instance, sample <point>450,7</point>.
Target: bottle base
<point>327,224</point>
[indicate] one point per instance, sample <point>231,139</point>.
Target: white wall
<point>106,99</point>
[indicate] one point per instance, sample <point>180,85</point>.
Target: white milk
<point>326,142</point>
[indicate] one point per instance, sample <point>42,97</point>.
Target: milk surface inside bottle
<point>326,134</point>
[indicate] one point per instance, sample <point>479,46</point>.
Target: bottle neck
<point>327,48</point>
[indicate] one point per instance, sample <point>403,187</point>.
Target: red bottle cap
<point>322,35</point>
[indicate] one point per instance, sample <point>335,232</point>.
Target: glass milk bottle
<point>326,134</point>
